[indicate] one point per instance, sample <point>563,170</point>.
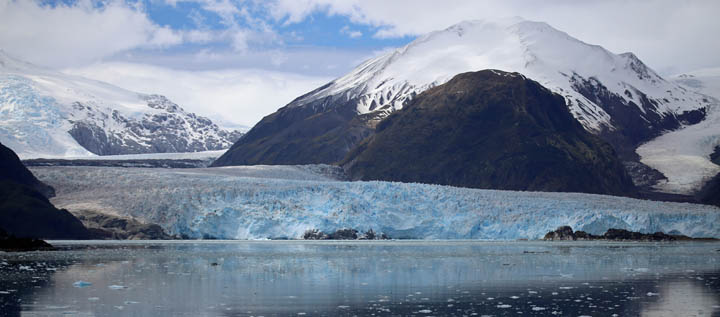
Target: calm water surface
<point>295,278</point>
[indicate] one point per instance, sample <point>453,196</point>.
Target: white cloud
<point>74,34</point>
<point>241,96</point>
<point>666,34</point>
<point>350,33</point>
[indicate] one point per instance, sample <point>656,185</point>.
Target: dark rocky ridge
<point>489,129</point>
<point>715,155</point>
<point>25,211</point>
<point>108,227</point>
<point>13,170</point>
<point>317,133</point>
<point>566,233</point>
<point>148,163</point>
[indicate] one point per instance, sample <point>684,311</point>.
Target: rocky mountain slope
<point>490,129</point>
<point>615,96</point>
<point>44,113</point>
<point>25,211</point>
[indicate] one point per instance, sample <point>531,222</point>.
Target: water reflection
<point>381,278</point>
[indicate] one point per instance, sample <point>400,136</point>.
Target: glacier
<point>261,202</point>
<point>683,155</point>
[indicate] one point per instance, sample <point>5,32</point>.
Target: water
<point>295,278</point>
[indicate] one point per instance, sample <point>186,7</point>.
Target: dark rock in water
<point>344,234</point>
<point>566,233</point>
<point>314,234</point>
<point>11,243</point>
<point>582,235</point>
<point>561,233</point>
<point>109,227</point>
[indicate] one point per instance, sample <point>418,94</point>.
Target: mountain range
<point>45,113</point>
<point>615,97</point>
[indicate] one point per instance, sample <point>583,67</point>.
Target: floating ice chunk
<point>81,284</point>
<point>653,294</point>
<point>425,311</point>
<point>93,299</point>
<point>504,306</point>
<point>116,287</point>
<point>538,308</point>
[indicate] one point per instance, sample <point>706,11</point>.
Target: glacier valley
<point>270,202</point>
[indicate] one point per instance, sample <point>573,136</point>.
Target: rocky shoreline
<point>566,233</point>
<point>10,243</point>
<point>344,234</point>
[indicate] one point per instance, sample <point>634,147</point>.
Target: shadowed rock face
<point>25,211</point>
<point>489,129</point>
<point>312,134</point>
<point>13,170</point>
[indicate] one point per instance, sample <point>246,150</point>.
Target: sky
<point>239,60</point>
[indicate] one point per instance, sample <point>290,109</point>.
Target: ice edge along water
<point>284,201</point>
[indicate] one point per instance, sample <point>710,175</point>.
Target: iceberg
<point>248,202</point>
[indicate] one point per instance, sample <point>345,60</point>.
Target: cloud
<point>73,34</point>
<point>241,96</point>
<point>666,34</point>
<point>350,33</point>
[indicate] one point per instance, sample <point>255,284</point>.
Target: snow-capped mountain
<point>535,49</point>
<point>613,95</point>
<point>44,113</point>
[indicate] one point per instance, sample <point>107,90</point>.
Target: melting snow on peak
<point>535,49</point>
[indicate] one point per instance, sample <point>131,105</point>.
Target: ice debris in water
<point>116,287</point>
<point>81,284</point>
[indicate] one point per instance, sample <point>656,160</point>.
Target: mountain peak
<point>606,92</point>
